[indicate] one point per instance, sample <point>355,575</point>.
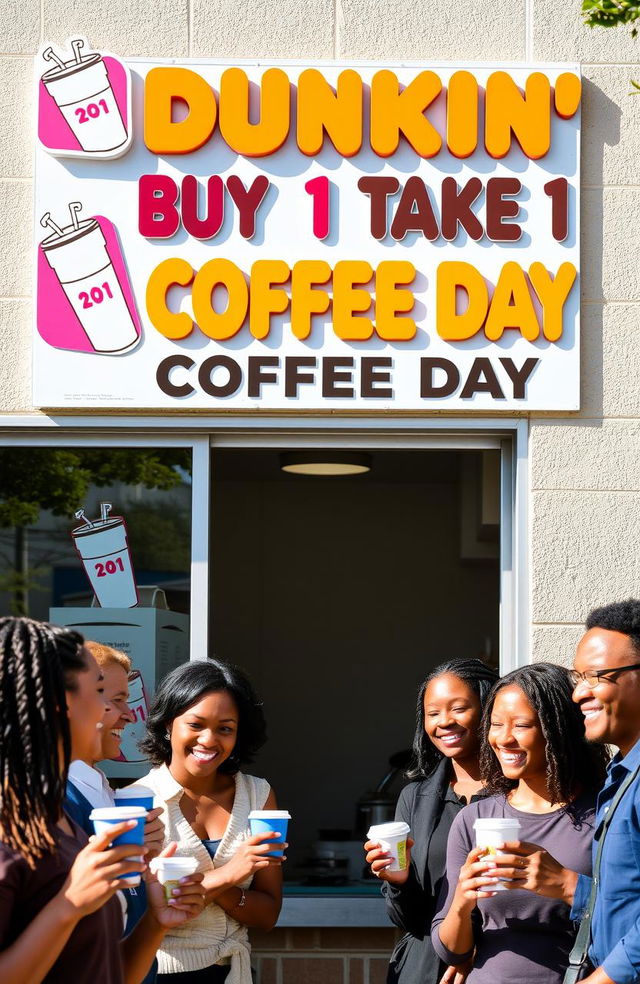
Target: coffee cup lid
<point>269,815</point>
<point>71,67</point>
<point>70,234</point>
<point>118,813</point>
<point>395,828</point>
<point>133,792</point>
<point>494,823</point>
<point>178,863</point>
<point>99,526</point>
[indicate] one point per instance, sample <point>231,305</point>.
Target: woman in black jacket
<point>446,777</point>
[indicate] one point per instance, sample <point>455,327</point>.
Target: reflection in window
<point>40,491</point>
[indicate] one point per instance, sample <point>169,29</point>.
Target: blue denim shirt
<point>615,926</point>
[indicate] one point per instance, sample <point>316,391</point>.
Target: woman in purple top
<point>539,769</point>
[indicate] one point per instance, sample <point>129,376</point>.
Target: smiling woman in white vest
<point>204,724</point>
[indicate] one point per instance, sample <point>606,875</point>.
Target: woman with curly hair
<point>539,769</point>
<point>205,722</point>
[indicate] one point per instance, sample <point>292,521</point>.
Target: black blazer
<point>412,906</point>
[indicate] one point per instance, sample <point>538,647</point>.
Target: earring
<point>167,736</point>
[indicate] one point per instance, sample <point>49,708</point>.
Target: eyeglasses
<point>593,679</point>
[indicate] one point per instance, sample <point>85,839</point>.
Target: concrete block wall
<point>585,481</point>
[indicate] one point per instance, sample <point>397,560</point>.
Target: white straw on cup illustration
<point>82,92</point>
<point>103,548</point>
<point>78,255</point>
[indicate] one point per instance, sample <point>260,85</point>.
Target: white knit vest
<point>214,935</point>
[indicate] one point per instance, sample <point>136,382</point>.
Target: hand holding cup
<point>256,852</point>
<point>473,881</point>
<point>175,894</point>
<point>107,819</point>
<point>520,864</point>
<point>389,842</point>
<point>98,869</point>
<point>153,833</point>
<point>491,834</point>
<point>270,821</point>
<point>381,860</point>
<point>139,795</point>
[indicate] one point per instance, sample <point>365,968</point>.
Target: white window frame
<point>203,434</point>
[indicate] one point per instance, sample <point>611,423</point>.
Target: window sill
<point>344,906</point>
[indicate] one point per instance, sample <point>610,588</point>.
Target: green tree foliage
<point>159,536</point>
<point>37,479</point>
<point>611,13</point>
<point>33,479</point>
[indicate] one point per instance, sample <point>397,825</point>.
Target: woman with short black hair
<point>184,687</point>
<point>204,724</point>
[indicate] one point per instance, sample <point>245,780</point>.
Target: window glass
<point>100,539</point>
<point>338,595</point>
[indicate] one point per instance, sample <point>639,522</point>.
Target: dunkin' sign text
<point>286,237</point>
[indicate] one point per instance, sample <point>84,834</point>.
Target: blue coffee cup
<point>108,816</point>
<point>268,821</point>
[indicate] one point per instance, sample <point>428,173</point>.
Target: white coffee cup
<point>392,838</point>
<point>169,871</point>
<point>81,262</point>
<point>82,92</point>
<point>103,549</point>
<point>492,833</point>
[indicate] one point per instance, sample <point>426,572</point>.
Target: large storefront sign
<point>305,237</point>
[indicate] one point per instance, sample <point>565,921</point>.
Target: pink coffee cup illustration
<point>79,257</point>
<point>104,551</point>
<point>82,91</point>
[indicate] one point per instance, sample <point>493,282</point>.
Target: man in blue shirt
<point>607,689</point>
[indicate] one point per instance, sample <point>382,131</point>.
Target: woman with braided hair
<point>59,920</point>
<point>539,769</point>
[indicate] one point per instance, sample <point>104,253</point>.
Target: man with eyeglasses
<point>606,679</point>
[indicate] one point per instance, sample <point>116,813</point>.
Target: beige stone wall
<point>585,480</point>
<point>585,475</point>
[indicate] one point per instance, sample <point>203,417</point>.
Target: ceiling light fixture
<point>325,463</point>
